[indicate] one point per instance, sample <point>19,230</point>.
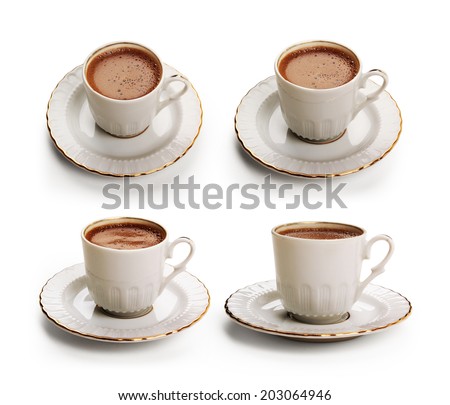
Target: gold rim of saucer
<point>308,175</point>
<point>103,173</point>
<point>121,339</point>
<point>323,337</point>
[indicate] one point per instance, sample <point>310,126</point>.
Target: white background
<point>224,48</point>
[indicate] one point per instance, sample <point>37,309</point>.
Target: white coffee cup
<point>319,279</point>
<point>126,282</point>
<point>128,118</point>
<point>322,115</point>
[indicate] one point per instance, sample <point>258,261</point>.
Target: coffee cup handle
<point>372,96</point>
<point>379,268</point>
<point>176,95</point>
<point>178,268</point>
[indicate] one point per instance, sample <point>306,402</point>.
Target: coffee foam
<point>320,233</point>
<point>125,236</point>
<point>123,73</point>
<point>318,67</point>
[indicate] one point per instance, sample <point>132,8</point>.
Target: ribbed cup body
<point>124,281</point>
<point>318,279</point>
<point>318,115</point>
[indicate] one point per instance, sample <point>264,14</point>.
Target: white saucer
<point>74,132</point>
<point>264,134</point>
<point>258,307</point>
<point>66,302</point>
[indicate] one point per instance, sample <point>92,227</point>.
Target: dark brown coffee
<point>125,235</point>
<point>124,73</point>
<point>320,233</point>
<point>319,67</point>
